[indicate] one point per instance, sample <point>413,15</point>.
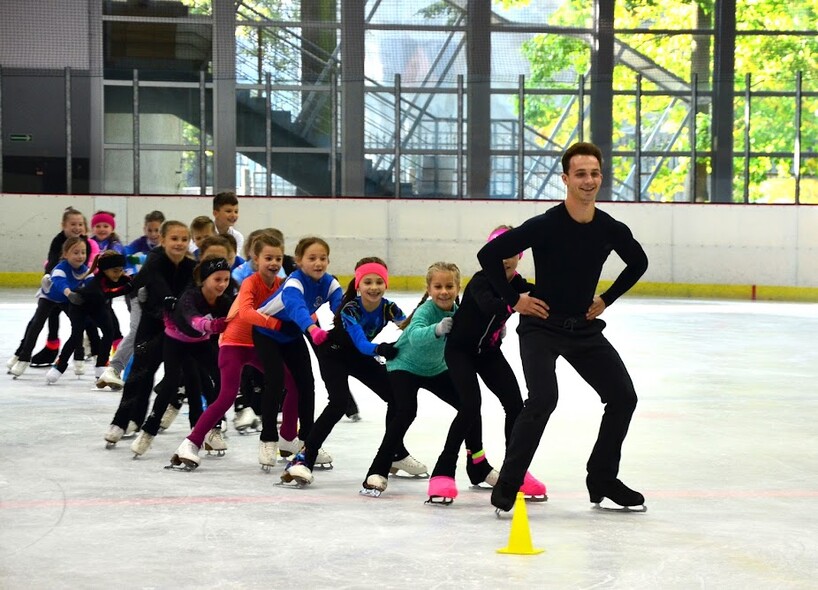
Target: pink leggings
<point>231,361</point>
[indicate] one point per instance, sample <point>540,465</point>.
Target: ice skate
<point>131,429</point>
<point>215,442</point>
<point>113,436</point>
<point>53,375</point>
<point>289,447</point>
<point>356,417</point>
<point>168,417</point>
<point>410,466</point>
<point>323,460</point>
<point>11,362</point>
<point>442,490</point>
<point>109,378</point>
<point>186,457</point>
<point>481,472</point>
<point>533,489</point>
<point>267,454</point>
<point>297,473</point>
<point>374,486</point>
<point>79,368</point>
<point>503,497</point>
<point>47,355</point>
<point>141,444</point>
<point>19,368</point>
<point>246,420</point>
<point>626,499</point>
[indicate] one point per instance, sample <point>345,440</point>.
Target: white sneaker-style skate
<point>11,362</point>
<point>19,368</point>
<point>409,465</point>
<point>186,457</point>
<point>168,417</point>
<point>323,460</point>
<point>79,368</point>
<point>267,454</point>
<point>245,420</point>
<point>297,473</point>
<point>141,444</point>
<point>215,442</point>
<point>113,436</point>
<point>374,486</point>
<point>289,447</point>
<point>53,375</point>
<point>108,377</point>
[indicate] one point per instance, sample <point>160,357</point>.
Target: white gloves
<point>444,326</point>
<point>45,283</point>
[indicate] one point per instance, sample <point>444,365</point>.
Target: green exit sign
<point>21,137</point>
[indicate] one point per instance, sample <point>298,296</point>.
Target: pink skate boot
<point>442,490</point>
<point>533,489</point>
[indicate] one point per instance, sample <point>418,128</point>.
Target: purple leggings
<point>231,361</point>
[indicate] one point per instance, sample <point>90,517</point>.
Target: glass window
<point>179,8</point>
<point>158,50</point>
<point>163,172</point>
<point>422,58</point>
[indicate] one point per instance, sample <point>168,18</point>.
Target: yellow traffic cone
<point>519,540</point>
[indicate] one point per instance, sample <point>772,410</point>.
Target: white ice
<point>723,445</point>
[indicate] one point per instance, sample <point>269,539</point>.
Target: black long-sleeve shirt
<point>482,314</point>
<point>568,259</point>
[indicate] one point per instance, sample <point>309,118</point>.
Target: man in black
<point>569,243</point>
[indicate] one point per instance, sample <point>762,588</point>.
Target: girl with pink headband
<point>350,352</point>
<point>472,349</point>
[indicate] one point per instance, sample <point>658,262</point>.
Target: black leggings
<point>295,354</point>
<point>405,386</point>
<point>101,316</point>
<point>147,356</point>
<point>464,367</point>
<point>193,362</point>
<point>45,307</point>
<point>337,365</point>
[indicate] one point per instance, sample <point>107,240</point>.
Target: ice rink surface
<point>724,445</point>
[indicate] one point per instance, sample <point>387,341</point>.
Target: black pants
<point>252,384</point>
<point>337,365</point>
<point>405,386</point>
<point>147,356</point>
<point>274,355</point>
<point>45,307</point>
<point>80,316</point>
<point>598,363</point>
<point>183,360</point>
<point>464,367</point>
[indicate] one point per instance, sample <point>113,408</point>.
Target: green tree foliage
<point>772,62</point>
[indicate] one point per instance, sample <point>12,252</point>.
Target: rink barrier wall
<point>695,250</point>
<point>641,289</point>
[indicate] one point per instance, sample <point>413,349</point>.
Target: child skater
<point>103,225</point>
<point>92,301</point>
<point>472,349</point>
<point>420,364</point>
<point>69,275</point>
<point>301,294</point>
<point>135,254</point>
<point>350,352</point>
<point>166,273</point>
<point>73,225</point>
<point>236,351</point>
<point>200,312</point>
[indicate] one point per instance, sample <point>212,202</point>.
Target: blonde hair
<point>433,268</point>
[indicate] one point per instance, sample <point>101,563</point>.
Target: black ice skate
<point>503,497</point>
<point>47,356</point>
<point>628,500</point>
